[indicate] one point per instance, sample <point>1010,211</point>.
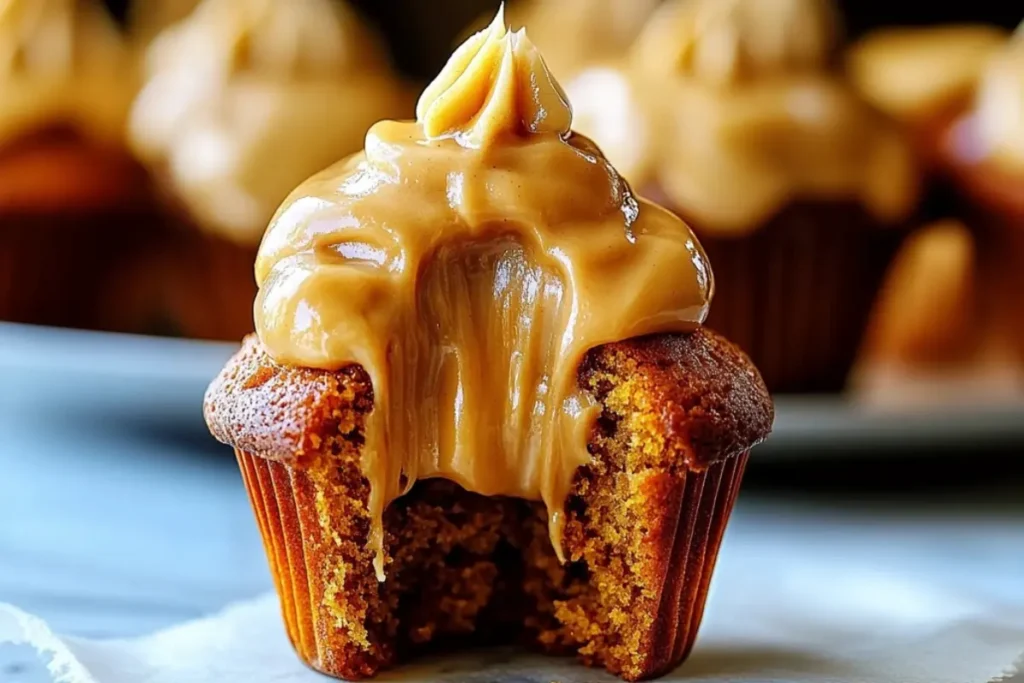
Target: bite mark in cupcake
<point>480,404</point>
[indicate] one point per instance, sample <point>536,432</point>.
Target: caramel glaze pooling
<point>467,261</point>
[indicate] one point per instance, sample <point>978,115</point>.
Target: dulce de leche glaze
<point>467,261</point>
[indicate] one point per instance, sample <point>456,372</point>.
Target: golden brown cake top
<point>244,99</point>
<point>62,63</point>
<point>999,110</point>
<point>914,74</point>
<point>467,261</point>
<point>744,112</point>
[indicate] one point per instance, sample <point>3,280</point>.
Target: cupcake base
<point>796,293</point>
<point>72,213</point>
<point>643,520</point>
<point>188,284</point>
<point>465,569</point>
<point>211,287</point>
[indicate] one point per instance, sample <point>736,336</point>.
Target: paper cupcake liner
<point>212,287</point>
<point>53,267</point>
<point>284,501</point>
<point>999,254</point>
<point>274,491</point>
<point>703,504</point>
<point>797,294</point>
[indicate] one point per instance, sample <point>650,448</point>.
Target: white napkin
<point>855,598</point>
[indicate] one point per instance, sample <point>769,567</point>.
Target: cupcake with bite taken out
<point>242,100</point>
<point>73,204</point>
<point>799,190</point>
<point>480,405</point>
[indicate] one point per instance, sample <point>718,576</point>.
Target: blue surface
<point>114,521</point>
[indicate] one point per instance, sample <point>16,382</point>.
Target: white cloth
<point>851,598</point>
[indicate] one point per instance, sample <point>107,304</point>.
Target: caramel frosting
<point>61,63</point>
<point>1000,105</point>
<point>744,113</point>
<point>914,74</point>
<point>246,98</point>
<point>467,261</point>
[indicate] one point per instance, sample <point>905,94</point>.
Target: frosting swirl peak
<point>495,83</point>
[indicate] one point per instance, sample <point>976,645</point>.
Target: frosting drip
<point>61,63</point>
<point>468,271</point>
<point>1000,104</point>
<point>743,114</point>
<point>246,98</point>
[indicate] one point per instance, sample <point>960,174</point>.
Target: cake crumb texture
<point>644,519</point>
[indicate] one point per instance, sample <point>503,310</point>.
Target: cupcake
<point>575,34</point>
<point>480,405</point>
<point>923,78</point>
<point>244,99</point>
<point>981,151</point>
<point>798,189</point>
<point>72,201</point>
<point>925,317</point>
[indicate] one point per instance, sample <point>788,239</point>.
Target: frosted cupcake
<point>982,153</point>
<point>243,99</point>
<point>575,34</point>
<point>734,114</point>
<point>73,204</point>
<point>480,405</point>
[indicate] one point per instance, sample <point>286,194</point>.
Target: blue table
<point>117,522</point>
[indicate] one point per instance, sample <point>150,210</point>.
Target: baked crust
<point>704,390</point>
<point>643,520</point>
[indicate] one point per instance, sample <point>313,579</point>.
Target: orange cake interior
<point>678,414</point>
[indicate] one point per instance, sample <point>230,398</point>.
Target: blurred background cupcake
<point>573,34</point>
<point>244,99</point>
<point>925,317</point>
<point>799,190</point>
<point>73,203</point>
<point>146,19</point>
<point>981,151</point>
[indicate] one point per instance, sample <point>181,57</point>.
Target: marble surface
<point>114,524</point>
